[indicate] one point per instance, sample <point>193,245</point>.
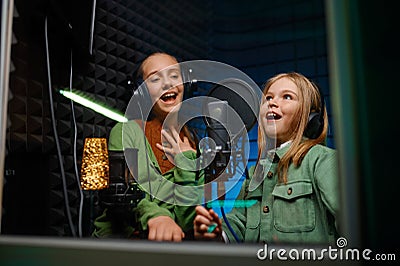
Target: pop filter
<point>241,97</point>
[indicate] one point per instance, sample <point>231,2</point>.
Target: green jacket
<point>174,193</point>
<point>302,211</point>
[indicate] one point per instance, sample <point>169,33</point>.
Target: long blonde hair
<point>310,99</point>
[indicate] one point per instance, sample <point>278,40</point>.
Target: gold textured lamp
<point>95,167</point>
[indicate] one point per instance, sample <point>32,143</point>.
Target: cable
<point>225,218</point>
<point>229,225</point>
<point>75,157</point>
<point>66,200</point>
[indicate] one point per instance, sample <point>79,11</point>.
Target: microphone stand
<point>218,168</point>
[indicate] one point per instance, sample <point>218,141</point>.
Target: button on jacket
<point>301,211</point>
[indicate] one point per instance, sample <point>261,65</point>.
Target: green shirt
<point>174,193</point>
<point>302,211</point>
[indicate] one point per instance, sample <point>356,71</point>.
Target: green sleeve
<point>103,228</point>
<point>237,217</point>
<point>148,209</point>
<point>327,179</point>
<point>182,187</point>
<point>115,139</point>
<point>189,189</point>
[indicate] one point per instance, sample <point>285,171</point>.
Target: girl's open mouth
<point>169,97</point>
<point>273,116</point>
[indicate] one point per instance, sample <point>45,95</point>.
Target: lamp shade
<point>95,167</point>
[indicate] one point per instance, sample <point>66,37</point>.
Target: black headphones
<point>140,103</point>
<point>315,124</point>
<point>134,80</point>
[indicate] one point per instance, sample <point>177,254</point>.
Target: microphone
<point>230,112</point>
<point>217,131</point>
<point>221,142</point>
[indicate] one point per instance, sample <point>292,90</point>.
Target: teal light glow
<point>231,203</point>
<point>94,106</point>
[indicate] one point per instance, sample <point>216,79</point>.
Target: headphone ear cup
<point>316,122</point>
<point>315,126</point>
<point>140,105</point>
<point>188,83</point>
<point>138,82</point>
<point>143,98</point>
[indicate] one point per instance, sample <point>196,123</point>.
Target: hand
<point>203,222</point>
<point>163,228</point>
<point>173,144</point>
